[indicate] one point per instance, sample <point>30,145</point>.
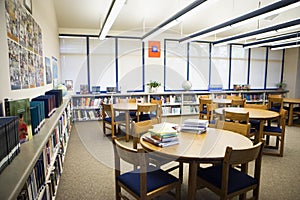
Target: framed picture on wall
<point>28,5</point>
<point>154,49</point>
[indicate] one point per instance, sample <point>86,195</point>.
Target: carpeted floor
<point>88,167</point>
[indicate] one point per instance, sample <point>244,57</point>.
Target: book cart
<point>35,172</point>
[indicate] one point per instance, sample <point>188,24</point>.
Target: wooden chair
<point>233,97</point>
<point>205,96</point>
<point>109,120</point>
<point>145,182</point>
<point>255,124</point>
<point>159,109</point>
<point>243,129</point>
<point>147,112</point>
<point>275,103</point>
<point>238,102</point>
<point>213,119</point>
<point>139,128</point>
<point>236,119</point>
<point>228,181</point>
<point>203,108</point>
<point>277,131</point>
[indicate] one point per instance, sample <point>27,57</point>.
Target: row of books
<point>32,113</point>
<point>9,140</point>
<point>81,115</point>
<point>163,135</point>
<point>81,102</point>
<point>194,126</point>
<point>43,181</point>
<point>171,110</point>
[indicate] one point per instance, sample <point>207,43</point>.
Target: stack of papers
<point>194,126</point>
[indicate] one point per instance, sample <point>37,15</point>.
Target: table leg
<point>290,122</point>
<point>260,132</point>
<point>192,182</point>
<point>127,125</point>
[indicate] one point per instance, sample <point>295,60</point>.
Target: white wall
<point>44,14</point>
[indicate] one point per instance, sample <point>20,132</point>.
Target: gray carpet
<point>88,167</point>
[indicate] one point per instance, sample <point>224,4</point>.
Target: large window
<point>130,65</point>
<point>257,68</point>
<point>220,66</point>
<point>199,65</point>
<point>74,61</point>
<point>176,65</point>
<point>239,66</point>
<point>102,63</point>
<point>274,68</point>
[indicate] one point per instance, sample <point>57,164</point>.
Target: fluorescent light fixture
<point>172,21</point>
<point>274,40</point>
<point>111,16</point>
<point>286,46</point>
<point>260,13</point>
<point>255,33</point>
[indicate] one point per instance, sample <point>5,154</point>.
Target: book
<point>159,143</point>
<point>164,128</point>
<point>194,126</point>
<point>21,109</point>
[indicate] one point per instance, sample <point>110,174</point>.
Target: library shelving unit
<point>35,171</point>
<point>174,103</point>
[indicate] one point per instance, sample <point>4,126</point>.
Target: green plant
<point>281,84</point>
<point>154,84</point>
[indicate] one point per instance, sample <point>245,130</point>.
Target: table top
<point>129,106</point>
<point>291,100</point>
<point>205,147</point>
<point>254,113</point>
<point>222,101</point>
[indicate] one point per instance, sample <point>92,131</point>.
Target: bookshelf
<point>45,151</point>
<point>174,103</point>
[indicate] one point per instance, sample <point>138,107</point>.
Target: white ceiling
<point>86,16</point>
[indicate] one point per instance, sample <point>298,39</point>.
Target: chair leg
<point>104,128</point>
<point>118,191</point>
<point>178,192</point>
<point>181,171</point>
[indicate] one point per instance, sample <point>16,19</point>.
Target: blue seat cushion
<point>272,129</point>
<point>203,111</point>
<point>144,117</point>
<point>255,123</point>
<point>296,109</point>
<point>237,180</point>
<point>275,108</point>
<point>156,178</point>
<point>117,119</point>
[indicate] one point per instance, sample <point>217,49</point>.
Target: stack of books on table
<point>194,126</point>
<point>162,135</point>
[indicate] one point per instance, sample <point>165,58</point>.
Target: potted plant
<point>281,85</point>
<point>153,85</point>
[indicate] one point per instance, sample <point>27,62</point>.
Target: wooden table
<point>199,148</point>
<point>222,102</point>
<point>291,102</point>
<point>128,107</point>
<point>254,113</point>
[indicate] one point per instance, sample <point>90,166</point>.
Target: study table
<point>291,102</point>
<point>254,113</point>
<point>128,107</point>
<point>222,102</point>
<point>194,148</point>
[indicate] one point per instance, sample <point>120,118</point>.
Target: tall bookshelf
<point>39,164</point>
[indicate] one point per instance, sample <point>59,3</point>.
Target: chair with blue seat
<point>159,109</point>
<point>212,117</point>
<point>144,181</point>
<point>275,103</point>
<point>228,181</point>
<point>147,112</point>
<point>109,120</point>
<point>276,130</point>
<point>203,108</point>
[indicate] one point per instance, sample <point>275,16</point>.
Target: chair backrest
<point>205,96</point>
<point>254,105</point>
<point>237,117</point>
<point>233,97</point>
<point>148,108</point>
<point>243,129</point>
<point>130,100</point>
<point>139,128</point>
<point>237,102</point>
<point>211,107</point>
<point>275,102</point>
<point>203,103</point>
<point>244,156</point>
<point>159,109</point>
<point>107,110</point>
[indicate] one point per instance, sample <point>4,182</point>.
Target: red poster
<point>154,49</point>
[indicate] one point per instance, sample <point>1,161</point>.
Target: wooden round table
<point>199,148</point>
<point>291,102</point>
<point>222,102</point>
<point>254,113</point>
<point>128,107</point>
